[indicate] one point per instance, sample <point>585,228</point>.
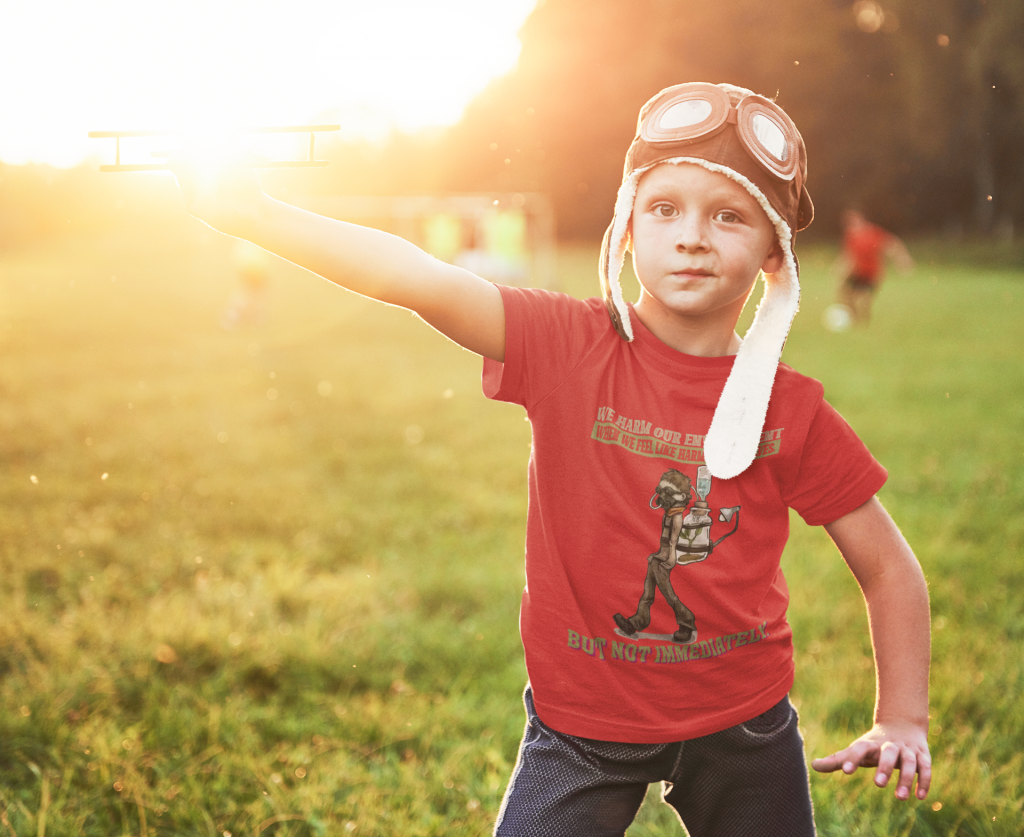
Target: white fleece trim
<point>735,434</point>
<point>617,245</point>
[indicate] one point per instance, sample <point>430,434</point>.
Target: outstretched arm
<point>459,304</point>
<point>897,251</point>
<point>897,600</point>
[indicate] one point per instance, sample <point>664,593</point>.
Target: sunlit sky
<point>72,66</point>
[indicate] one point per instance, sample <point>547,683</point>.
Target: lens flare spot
<point>165,654</point>
<point>869,15</point>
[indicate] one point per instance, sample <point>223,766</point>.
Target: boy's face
<point>698,240</point>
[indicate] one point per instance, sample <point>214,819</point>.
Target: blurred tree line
<point>912,110</point>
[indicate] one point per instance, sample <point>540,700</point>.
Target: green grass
<point>226,612</point>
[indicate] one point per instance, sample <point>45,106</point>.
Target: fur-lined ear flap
<point>612,255</point>
<point>606,287</point>
<point>602,268</point>
<point>735,434</point>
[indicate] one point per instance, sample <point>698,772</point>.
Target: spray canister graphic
<point>695,542</point>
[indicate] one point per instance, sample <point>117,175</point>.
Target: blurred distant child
<point>667,453</point>
<point>866,247</point>
<point>248,304</point>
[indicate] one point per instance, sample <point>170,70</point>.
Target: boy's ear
<point>775,258</point>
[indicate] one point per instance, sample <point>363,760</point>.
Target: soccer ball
<point>837,317</point>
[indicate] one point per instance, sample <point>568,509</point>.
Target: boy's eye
<point>665,210</point>
<point>728,216</point>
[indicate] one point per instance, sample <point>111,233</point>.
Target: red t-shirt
<point>609,418</point>
<point>865,245</point>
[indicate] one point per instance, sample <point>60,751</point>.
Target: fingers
<point>891,754</point>
<point>888,757</point>
<point>828,764</point>
<point>220,189</point>
<point>910,764</point>
<point>861,753</point>
<point>924,775</point>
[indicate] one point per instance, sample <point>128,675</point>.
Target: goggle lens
<point>771,136</point>
<point>685,114</point>
<point>702,110</point>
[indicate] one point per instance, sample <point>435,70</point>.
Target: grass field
<point>266,581</point>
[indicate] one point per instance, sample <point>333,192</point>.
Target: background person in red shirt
<point>866,247</point>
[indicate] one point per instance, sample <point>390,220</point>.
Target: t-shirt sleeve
<point>546,336</point>
<point>837,472</point>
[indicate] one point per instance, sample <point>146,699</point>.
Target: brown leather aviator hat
<point>751,140</point>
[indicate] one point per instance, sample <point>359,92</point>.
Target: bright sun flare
<point>73,67</point>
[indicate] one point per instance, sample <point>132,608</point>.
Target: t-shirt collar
<point>645,341</point>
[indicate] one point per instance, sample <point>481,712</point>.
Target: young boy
<point>662,396</point>
<point>861,264</point>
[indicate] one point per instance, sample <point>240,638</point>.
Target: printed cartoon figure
<point>684,540</point>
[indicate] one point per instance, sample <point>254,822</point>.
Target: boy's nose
<point>691,235</point>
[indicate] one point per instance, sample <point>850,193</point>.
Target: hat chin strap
<point>735,434</point>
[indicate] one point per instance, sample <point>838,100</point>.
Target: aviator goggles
<point>703,110</point>
<point>692,120</point>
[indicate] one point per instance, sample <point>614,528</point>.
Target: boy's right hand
<point>227,196</point>
<point>223,192</point>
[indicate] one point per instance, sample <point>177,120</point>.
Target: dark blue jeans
<point>746,781</point>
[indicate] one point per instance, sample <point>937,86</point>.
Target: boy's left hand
<point>887,746</point>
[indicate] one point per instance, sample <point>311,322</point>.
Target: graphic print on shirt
<point>645,439</point>
<point>685,539</point>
